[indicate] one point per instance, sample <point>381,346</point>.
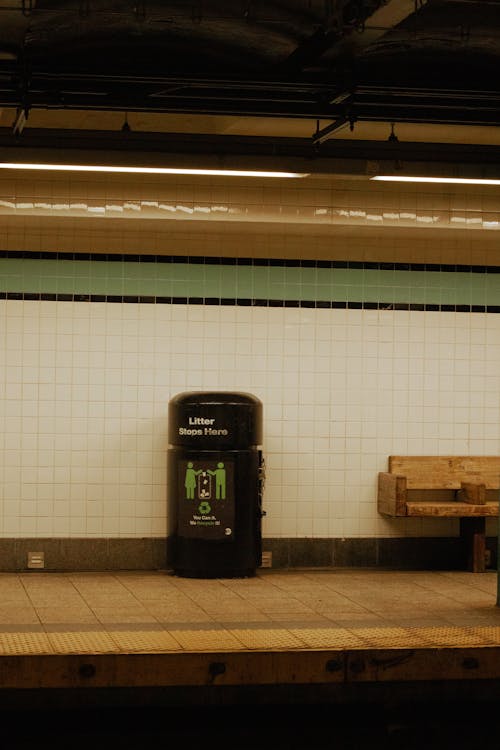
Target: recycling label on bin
<point>206,499</point>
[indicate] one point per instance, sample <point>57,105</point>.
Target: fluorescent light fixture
<point>438,180</point>
<point>149,170</point>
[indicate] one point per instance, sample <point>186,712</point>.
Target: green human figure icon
<point>220,481</point>
<point>190,480</point>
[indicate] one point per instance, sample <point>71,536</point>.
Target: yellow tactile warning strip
<point>268,639</point>
<point>240,639</point>
<point>490,633</point>
<point>390,637</point>
<point>82,643</point>
<point>145,641</point>
<point>24,643</point>
<point>455,636</point>
<point>329,638</point>
<point>207,640</point>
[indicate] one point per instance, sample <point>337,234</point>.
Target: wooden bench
<point>464,487</point>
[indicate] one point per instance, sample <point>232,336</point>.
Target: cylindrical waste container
<point>215,476</point>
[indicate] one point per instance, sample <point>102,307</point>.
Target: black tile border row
<point>245,302</point>
<point>266,262</point>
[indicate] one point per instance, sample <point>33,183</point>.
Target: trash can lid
<point>215,397</point>
<point>216,420</point>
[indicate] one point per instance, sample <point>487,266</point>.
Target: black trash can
<point>215,477</point>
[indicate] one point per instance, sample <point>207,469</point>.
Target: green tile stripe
<point>248,281</point>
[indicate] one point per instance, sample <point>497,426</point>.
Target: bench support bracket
<point>473,534</point>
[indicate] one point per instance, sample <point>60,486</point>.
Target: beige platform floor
<point>296,610</point>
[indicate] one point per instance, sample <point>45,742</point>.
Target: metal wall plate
<point>36,560</point>
<point>267,560</point>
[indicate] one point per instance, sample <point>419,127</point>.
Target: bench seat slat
<point>446,472</point>
<point>449,509</point>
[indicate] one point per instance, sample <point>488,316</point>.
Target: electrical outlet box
<point>487,557</point>
<point>36,560</point>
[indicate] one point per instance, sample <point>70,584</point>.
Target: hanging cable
<point>126,127</point>
<point>393,137</point>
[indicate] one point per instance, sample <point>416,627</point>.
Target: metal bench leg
<point>473,534</point>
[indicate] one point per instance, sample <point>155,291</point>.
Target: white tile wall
<point>84,391</point>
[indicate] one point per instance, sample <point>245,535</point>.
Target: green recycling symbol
<point>204,508</point>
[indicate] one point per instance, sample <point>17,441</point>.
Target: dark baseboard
<point>397,553</point>
<point>66,554</point>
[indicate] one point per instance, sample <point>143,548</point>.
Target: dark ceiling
<point>402,60</point>
<point>340,62</point>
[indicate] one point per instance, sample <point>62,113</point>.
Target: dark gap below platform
<point>416,725</point>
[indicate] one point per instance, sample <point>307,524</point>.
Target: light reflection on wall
<point>299,213</point>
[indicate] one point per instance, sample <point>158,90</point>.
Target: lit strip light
<point>439,180</point>
<point>149,170</point>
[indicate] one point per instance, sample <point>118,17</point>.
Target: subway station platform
<point>308,635</point>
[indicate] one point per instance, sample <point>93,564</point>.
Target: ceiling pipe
<point>322,135</point>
